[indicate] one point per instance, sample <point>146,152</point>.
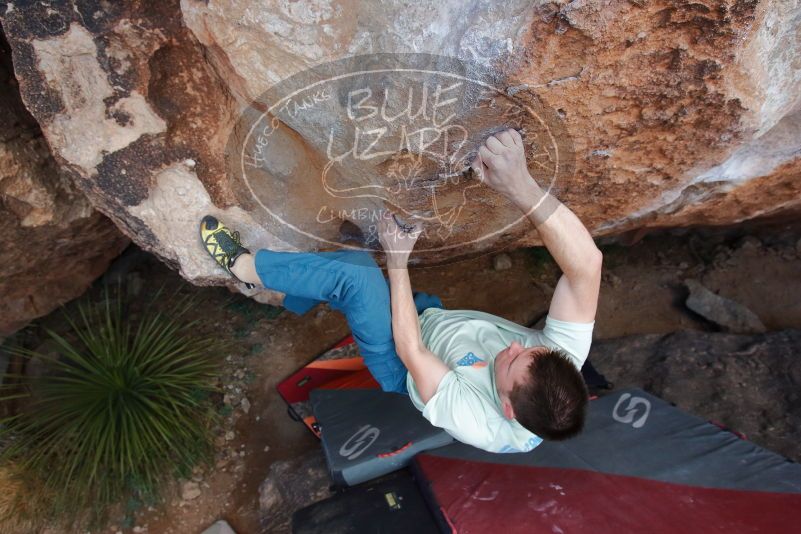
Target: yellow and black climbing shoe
<point>224,245</point>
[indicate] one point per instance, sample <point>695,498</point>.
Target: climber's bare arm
<point>501,161</point>
<point>426,369</point>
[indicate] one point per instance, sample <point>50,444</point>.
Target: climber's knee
<point>367,306</point>
<point>358,258</point>
<point>363,279</point>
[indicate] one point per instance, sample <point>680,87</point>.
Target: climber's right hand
<point>501,164</point>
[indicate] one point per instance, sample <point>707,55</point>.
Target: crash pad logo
<point>344,142</point>
<point>635,413</point>
<point>359,442</point>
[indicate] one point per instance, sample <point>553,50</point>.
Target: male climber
<point>487,381</point>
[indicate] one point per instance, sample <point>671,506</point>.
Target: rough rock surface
<point>54,243</point>
<point>677,113</point>
<point>291,485</point>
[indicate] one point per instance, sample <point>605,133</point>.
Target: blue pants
<point>352,283</point>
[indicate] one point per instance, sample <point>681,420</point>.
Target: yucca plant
<point>124,404</point>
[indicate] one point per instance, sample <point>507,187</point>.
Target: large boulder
<point>54,243</point>
<point>637,114</point>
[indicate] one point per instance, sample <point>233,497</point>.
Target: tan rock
<point>219,527</point>
<point>638,114</point>
<point>54,243</point>
<point>190,491</point>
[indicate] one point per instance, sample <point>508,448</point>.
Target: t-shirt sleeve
<point>458,409</point>
<point>573,338</point>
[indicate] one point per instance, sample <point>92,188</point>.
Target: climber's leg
<point>352,283</point>
<point>349,281</point>
<point>244,268</point>
<point>423,301</point>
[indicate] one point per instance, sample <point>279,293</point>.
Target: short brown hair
<point>552,403</point>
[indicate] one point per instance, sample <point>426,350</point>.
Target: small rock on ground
<point>502,262</point>
<point>612,279</point>
<point>190,490</point>
<point>220,527</point>
<point>749,244</point>
<point>726,313</point>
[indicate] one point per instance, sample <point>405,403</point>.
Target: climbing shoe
<point>224,245</point>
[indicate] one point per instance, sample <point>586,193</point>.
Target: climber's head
<point>542,389</point>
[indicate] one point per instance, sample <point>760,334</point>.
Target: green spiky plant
<point>124,404</point>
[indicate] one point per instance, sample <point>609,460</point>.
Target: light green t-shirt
<point>466,403</point>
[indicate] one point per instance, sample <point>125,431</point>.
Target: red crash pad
<point>482,497</point>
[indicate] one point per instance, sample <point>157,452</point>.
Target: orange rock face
<point>635,114</point>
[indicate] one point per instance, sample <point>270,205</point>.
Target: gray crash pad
<point>367,433</point>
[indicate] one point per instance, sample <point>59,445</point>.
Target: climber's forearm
<point>501,163</point>
<point>405,325</point>
<point>561,232</point>
<point>426,369</point>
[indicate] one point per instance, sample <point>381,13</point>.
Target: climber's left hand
<point>398,241</point>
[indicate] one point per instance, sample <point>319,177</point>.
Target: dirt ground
<point>642,293</point>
